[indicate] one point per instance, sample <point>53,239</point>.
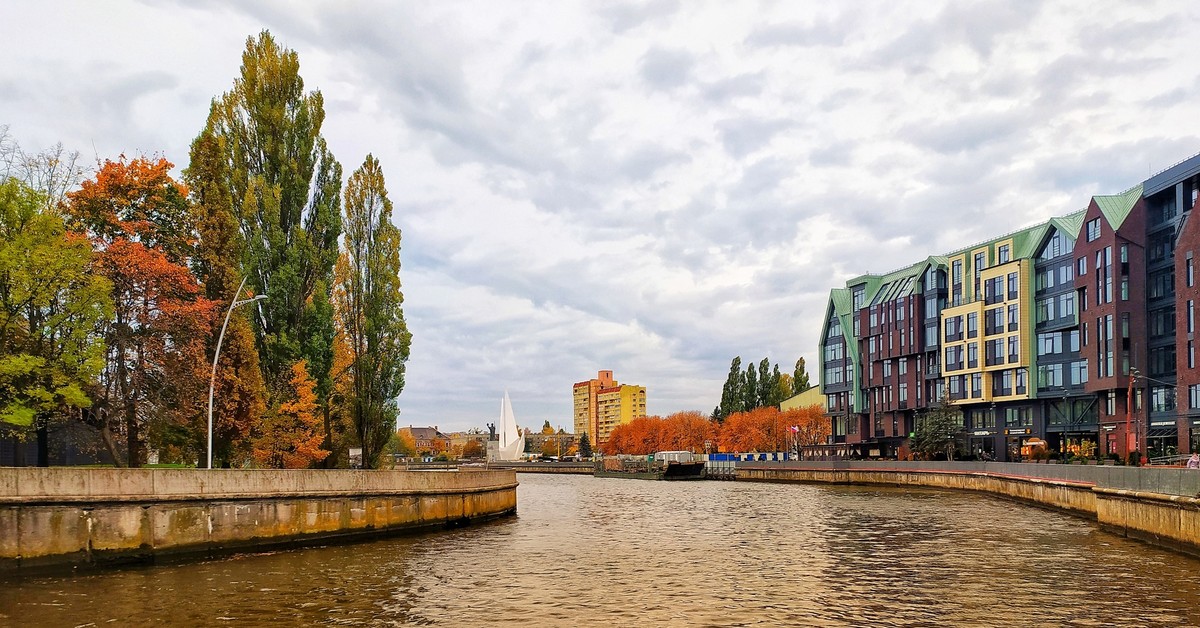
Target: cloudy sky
<point>654,187</point>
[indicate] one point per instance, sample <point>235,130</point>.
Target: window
<point>1014,348</point>
<point>835,328</point>
<point>1050,376</point>
<point>972,355</point>
<point>902,366</point>
<point>1022,381</point>
<point>976,385</point>
<point>1066,305</point>
<point>1093,230</point>
<point>1188,276</point>
<point>1049,344</point>
<point>1002,255</point>
<point>1017,417</point>
<point>1079,372</point>
<point>972,324</point>
<point>1081,268</point>
<point>1014,313</point>
<point>1162,398</point>
<point>1194,396</point>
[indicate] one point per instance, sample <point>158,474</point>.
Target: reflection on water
<point>587,551</point>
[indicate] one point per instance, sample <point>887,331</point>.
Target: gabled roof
<point>1116,207</point>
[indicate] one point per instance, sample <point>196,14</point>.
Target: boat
<point>663,465</point>
<point>511,441</point>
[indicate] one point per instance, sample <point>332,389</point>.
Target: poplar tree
<point>750,388</point>
<point>369,305</point>
<point>766,384</point>
<point>283,187</point>
<point>731,394</point>
<point>800,381</point>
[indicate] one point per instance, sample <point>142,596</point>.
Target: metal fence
<point>1184,482</point>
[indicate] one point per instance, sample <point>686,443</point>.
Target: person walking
<point>1194,462</point>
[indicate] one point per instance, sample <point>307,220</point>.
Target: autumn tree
<point>808,424</point>
<point>291,436</point>
<point>369,306</point>
<point>473,449</point>
<point>50,305</point>
<point>546,428</point>
<point>405,444</point>
<point>760,429</point>
<point>262,159</point>
<point>139,222</point>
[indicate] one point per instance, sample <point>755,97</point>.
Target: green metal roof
<point>1116,207</point>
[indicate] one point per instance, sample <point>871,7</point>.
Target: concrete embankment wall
<point>573,468</point>
<point>69,516</point>
<point>1160,506</point>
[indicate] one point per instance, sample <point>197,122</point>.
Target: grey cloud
<point>968,132</point>
<point>666,69</point>
<point>977,25</point>
<point>625,16</point>
<point>643,162</point>
<point>818,33</point>
<point>744,135</point>
<point>749,85</point>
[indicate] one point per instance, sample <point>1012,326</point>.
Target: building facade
<point>601,404</point>
<point>1078,332</point>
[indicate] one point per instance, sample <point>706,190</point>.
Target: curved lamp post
<point>217,354</point>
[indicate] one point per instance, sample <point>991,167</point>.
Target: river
<point>584,551</point>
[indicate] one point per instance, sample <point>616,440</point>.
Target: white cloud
<point>649,187</point>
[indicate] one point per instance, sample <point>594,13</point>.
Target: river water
<point>584,551</point>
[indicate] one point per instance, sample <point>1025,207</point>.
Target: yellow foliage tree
<point>291,437</point>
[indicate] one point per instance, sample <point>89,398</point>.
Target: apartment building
<point>1071,331</point>
<point>603,403</point>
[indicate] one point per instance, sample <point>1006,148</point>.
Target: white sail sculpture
<point>512,441</point>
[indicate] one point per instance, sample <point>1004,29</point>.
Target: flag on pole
<point>795,429</point>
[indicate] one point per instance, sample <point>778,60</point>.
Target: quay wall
<point>60,517</point>
<point>572,468</point>
<point>1159,506</point>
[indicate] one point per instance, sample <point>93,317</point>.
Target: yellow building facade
<point>987,347</point>
<point>601,404</point>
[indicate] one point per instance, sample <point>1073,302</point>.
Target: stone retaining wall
<point>1168,520</point>
<point>70,516</point>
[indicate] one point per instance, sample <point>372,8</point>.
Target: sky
<point>652,187</point>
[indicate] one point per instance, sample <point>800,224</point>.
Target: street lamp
<point>217,354</point>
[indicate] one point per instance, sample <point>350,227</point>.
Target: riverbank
<point>64,517</point>
<point>1158,506</point>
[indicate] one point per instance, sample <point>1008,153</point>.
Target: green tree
<point>585,446</point>
<point>369,305</point>
<point>800,381</point>
<point>283,186</point>
<point>750,388</point>
<point>766,384</point>
<point>936,432</point>
<point>50,305</point>
<point>731,393</point>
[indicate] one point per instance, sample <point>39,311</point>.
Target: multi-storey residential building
<point>1078,331</point>
<point>602,404</point>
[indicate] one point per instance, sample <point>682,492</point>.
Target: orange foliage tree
<point>141,226</point>
<point>291,437</point>
<point>761,429</point>
<point>681,431</point>
<point>813,428</point>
